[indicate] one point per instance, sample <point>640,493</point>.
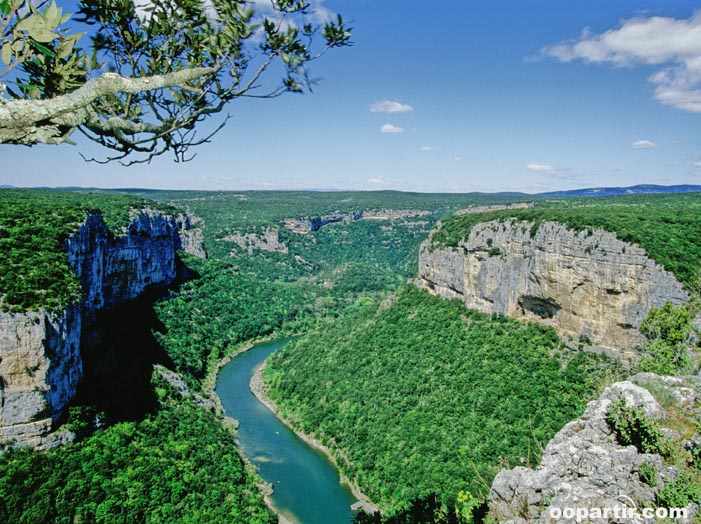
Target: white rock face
<point>583,466</point>
<point>583,283</point>
<point>40,367</point>
<point>40,362</point>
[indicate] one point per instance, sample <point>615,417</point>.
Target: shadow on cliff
<point>119,351</point>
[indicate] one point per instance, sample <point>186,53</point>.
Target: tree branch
<point>51,121</point>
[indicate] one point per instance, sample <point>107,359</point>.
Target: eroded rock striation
<point>305,226</point>
<point>267,240</point>
<point>584,283</point>
<point>40,360</point>
<point>585,467</point>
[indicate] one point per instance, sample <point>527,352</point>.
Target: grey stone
<point>583,466</point>
<point>585,284</point>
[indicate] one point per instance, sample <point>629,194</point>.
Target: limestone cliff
<point>305,226</point>
<point>588,284</point>
<point>267,240</point>
<point>40,361</point>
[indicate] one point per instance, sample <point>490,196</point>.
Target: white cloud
<point>655,40</point>
<point>389,128</point>
<point>697,163</point>
<point>643,144</point>
<point>378,181</point>
<point>390,106</point>
<point>541,168</point>
<point>432,149</point>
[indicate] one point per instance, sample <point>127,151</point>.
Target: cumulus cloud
<point>541,168</point>
<point>672,43</point>
<point>432,149</point>
<point>697,163</point>
<point>643,144</point>
<point>389,128</point>
<point>390,106</point>
<point>378,181</point>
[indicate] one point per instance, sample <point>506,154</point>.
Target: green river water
<point>306,484</point>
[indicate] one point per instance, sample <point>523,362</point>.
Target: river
<point>306,484</point>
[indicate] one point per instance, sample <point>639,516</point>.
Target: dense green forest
<point>422,395</point>
<point>667,226</point>
<point>422,400</point>
<point>177,465</point>
<point>34,269</point>
<point>240,296</point>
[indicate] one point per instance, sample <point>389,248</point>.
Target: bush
<point>633,427</point>
<point>668,330</point>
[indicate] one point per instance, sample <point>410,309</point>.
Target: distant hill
<point>632,190</point>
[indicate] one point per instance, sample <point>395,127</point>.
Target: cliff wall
<point>583,283</point>
<point>40,361</point>
<point>305,226</point>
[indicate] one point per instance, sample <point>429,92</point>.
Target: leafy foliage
<point>424,510</point>
<point>684,490</point>
<point>424,396</point>
<point>39,42</point>
<point>666,226</point>
<point>668,330</point>
<point>205,55</point>
<point>632,427</point>
<point>34,269</point>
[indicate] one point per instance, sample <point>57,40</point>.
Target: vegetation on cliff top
<point>425,396</point>
<point>668,227</point>
<point>34,269</point>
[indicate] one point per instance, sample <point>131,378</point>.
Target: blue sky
<point>488,96</point>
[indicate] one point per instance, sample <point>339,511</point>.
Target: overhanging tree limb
<point>52,121</point>
<point>172,63</point>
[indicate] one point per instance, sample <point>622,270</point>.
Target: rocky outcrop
<point>307,225</point>
<point>584,467</point>
<point>494,207</point>
<point>191,235</point>
<point>40,367</point>
<point>585,284</point>
<point>40,361</point>
<point>268,240</point>
<point>304,226</point>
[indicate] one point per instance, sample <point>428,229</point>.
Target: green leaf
<point>5,7</point>
<point>43,49</point>
<point>6,53</point>
<point>26,24</point>
<point>43,35</point>
<point>53,14</point>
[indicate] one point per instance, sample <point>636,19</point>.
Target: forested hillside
<point>421,395</point>
<point>241,296</point>
<point>176,465</point>
<point>144,454</point>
